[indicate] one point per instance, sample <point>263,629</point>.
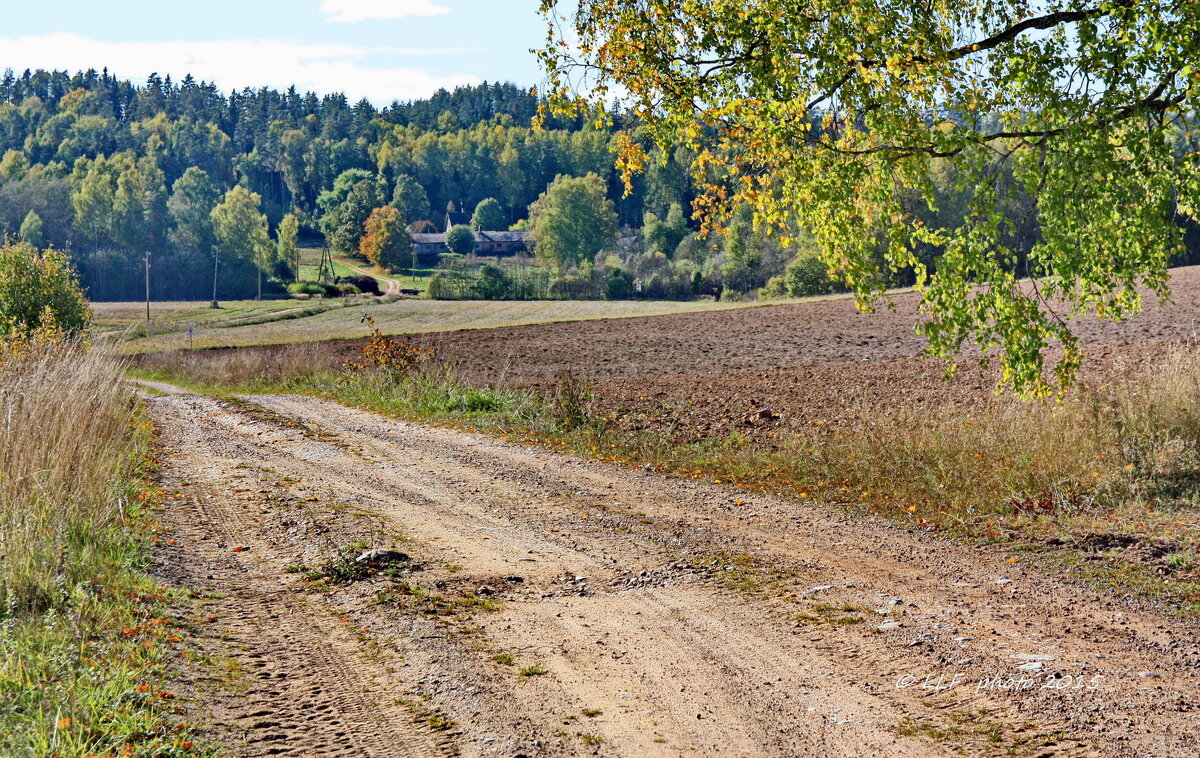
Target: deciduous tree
<point>665,236</point>
<point>827,115</point>
<point>191,204</point>
<point>38,289</point>
<point>241,232</point>
<point>386,242</point>
<point>489,217</point>
<point>286,249</point>
<point>13,166</point>
<point>31,230</point>
<point>460,240</point>
<point>345,224</point>
<point>410,199</point>
<point>572,221</point>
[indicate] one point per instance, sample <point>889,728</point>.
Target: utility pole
<point>216,266</point>
<point>147,286</point>
<point>325,272</point>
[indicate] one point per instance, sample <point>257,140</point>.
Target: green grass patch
<point>87,646</point>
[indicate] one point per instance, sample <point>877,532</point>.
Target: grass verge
<point>85,644</point>
<point>1105,482</point>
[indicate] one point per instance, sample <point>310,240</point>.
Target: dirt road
<point>554,606</point>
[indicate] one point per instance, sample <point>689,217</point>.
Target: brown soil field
<point>812,362</point>
<point>818,362</point>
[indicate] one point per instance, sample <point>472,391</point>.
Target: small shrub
<point>618,285</point>
<point>385,355</point>
<point>306,288</point>
<point>438,289</point>
<point>805,276</point>
<point>39,290</point>
<point>493,283</point>
<point>364,284</point>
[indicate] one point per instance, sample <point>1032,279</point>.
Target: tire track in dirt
<point>661,701</point>
<point>303,687</point>
<point>691,623</point>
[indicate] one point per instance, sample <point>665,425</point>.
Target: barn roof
<point>502,236</point>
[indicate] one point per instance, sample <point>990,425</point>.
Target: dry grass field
<point>85,643</point>
<point>280,322</point>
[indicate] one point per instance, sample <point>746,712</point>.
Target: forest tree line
<point>112,172</point>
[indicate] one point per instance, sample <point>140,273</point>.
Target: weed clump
<point>352,564</point>
<point>568,403</point>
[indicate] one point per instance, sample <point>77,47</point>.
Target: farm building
<point>429,247</point>
<point>454,218</point>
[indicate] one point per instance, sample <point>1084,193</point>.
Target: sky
<point>382,50</point>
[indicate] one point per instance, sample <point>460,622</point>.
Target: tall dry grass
<point>65,458</point>
<point>1153,413</point>
<point>81,624</point>
<point>246,368</point>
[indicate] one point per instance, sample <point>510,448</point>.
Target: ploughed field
<point>796,364</point>
<point>767,369</point>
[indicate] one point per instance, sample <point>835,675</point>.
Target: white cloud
<point>234,64</point>
<point>352,11</point>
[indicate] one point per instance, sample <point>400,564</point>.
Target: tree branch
<point>1049,21</point>
<point>1152,103</point>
